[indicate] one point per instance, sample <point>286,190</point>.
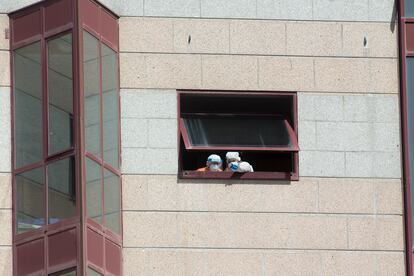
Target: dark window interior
<point>266,161</point>
<point>237,103</point>
<point>261,127</point>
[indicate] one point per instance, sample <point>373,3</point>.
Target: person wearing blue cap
<point>214,164</point>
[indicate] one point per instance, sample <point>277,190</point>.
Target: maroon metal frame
<point>189,146</point>
<point>55,22</point>
<point>183,136</point>
<point>403,54</point>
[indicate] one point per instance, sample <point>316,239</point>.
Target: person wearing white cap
<point>232,161</point>
<point>214,164</point>
<point>235,164</point>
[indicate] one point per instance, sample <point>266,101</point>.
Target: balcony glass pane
<point>110,105</point>
<point>28,105</point>
<point>112,201</point>
<point>93,190</point>
<point>91,93</point>
<point>61,190</point>
<point>410,117</point>
<point>66,273</point>
<point>30,200</point>
<point>91,272</point>
<point>409,8</point>
<point>60,81</point>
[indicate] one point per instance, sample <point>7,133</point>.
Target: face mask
<point>234,166</point>
<point>214,167</point>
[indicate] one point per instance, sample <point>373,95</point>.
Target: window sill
<point>244,176</point>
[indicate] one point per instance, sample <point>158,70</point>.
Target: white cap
<point>245,167</point>
<point>232,155</point>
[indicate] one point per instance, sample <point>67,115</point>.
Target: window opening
<point>258,128</point>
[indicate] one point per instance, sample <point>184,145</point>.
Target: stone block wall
<point>345,214</point>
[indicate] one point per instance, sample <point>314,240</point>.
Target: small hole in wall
<point>365,41</point>
<point>189,39</point>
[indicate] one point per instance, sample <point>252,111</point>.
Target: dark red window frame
<point>189,146</point>
<point>259,175</point>
<point>406,50</point>
<point>67,245</point>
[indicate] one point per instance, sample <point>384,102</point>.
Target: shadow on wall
<point>393,21</point>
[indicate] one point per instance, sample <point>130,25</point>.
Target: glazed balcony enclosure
<point>66,145</point>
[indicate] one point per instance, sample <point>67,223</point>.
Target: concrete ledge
<point>257,37</point>
<point>154,192</point>
<point>260,262</point>
<point>145,71</point>
<point>236,230</point>
<point>183,71</point>
<point>309,195</point>
<point>346,10</point>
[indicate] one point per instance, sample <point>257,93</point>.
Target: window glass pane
<point>410,117</point>
<point>91,272</point>
<point>110,105</point>
<point>112,201</point>
<point>30,200</point>
<point>93,190</point>
<point>409,8</point>
<point>91,93</point>
<point>61,190</point>
<point>60,93</point>
<point>28,104</point>
<point>225,131</point>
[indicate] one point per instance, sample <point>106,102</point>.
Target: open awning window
<point>237,132</point>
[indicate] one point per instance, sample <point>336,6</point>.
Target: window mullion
<point>45,113</point>
<point>101,131</point>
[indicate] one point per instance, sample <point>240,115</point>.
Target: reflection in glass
<point>93,190</point>
<point>225,131</point>
<point>91,272</point>
<point>30,200</point>
<point>110,105</point>
<point>61,190</point>
<point>410,117</point>
<point>91,93</point>
<point>28,104</point>
<point>112,201</point>
<point>60,93</point>
<point>409,8</point>
<point>71,273</point>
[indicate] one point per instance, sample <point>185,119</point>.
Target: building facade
<point>338,207</point>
